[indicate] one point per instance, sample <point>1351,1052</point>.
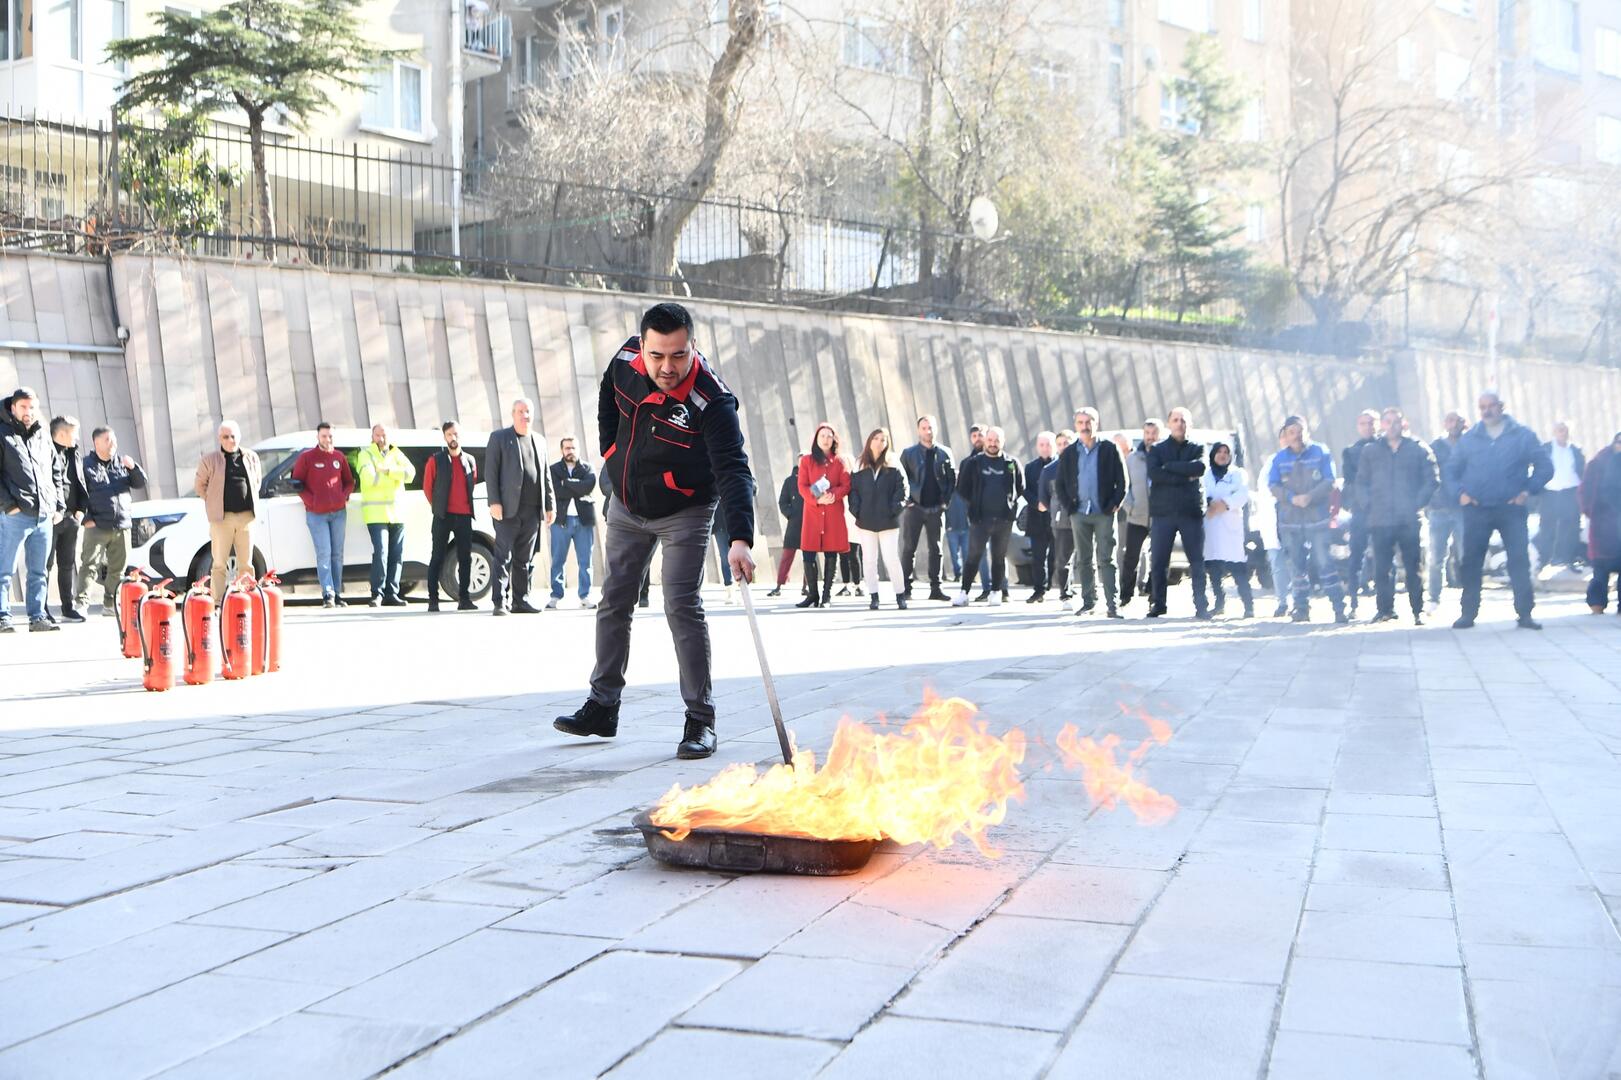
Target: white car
<point>169,537</point>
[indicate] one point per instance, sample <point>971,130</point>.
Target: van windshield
<point>271,461</point>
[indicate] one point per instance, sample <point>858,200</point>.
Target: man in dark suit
<point>576,525</point>
<point>518,484</point>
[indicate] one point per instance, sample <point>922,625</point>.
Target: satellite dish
<point>982,218</point>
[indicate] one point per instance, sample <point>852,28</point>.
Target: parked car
<point>169,537</point>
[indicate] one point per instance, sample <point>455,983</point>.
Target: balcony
<point>486,41</point>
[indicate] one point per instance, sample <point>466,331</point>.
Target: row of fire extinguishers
<point>249,627</point>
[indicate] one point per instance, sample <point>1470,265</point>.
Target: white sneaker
<point>996,599</point>
<point>731,594</point>
<point>961,600</point>
<point>1069,605</point>
<point>551,605</point>
<point>588,604</point>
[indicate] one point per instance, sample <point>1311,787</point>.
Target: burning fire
<point>1109,782</point>
<point>943,775</point>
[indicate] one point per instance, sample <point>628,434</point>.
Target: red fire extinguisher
<point>266,625</point>
<point>236,632</point>
<point>130,592</point>
<point>197,627</point>
<point>156,621</point>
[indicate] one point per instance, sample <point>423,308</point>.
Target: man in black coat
<point>1367,433</point>
<point>792,506</point>
<point>518,484</point>
<point>930,479</point>
<point>71,504</point>
<point>1396,478</point>
<point>991,483</point>
<point>1038,523</point>
<point>1176,508</point>
<point>1090,486</point>
<point>575,529</point>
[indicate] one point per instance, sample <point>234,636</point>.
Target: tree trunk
<point>720,122</point>
<point>925,127</point>
<point>261,183</point>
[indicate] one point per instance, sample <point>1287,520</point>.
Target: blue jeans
<point>327,532</point>
<point>957,547</point>
<point>568,534</point>
<point>1446,535</point>
<point>1277,560</point>
<point>33,535</point>
<point>1308,548</point>
<point>386,581</point>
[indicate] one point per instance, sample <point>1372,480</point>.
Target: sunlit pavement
<point>1397,853</point>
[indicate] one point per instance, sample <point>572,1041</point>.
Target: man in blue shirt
<point>1090,486</point>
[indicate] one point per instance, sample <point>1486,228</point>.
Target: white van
<point>169,537</point>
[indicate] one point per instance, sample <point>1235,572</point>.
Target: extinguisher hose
<point>140,630</point>
<point>185,634</point>
<point>263,612</point>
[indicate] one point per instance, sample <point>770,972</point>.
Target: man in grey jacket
<point>518,483</point>
<point>1136,507</point>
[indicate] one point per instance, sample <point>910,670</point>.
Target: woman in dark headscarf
<point>1601,502</point>
<point>1226,494</point>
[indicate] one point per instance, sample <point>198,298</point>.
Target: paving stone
<point>1040,972</point>
<point>591,1022</point>
<point>690,1052</point>
<point>871,935</point>
<point>1569,916</point>
<point>1512,858</point>
<point>1220,922</point>
<point>1201,1029</point>
<point>1243,839</point>
<point>1375,832</point>
<point>617,904</point>
<point>1533,964</point>
<point>1355,997</point>
<point>457,983</point>
<point>1398,939</point>
<point>1301,1056</point>
<point>812,997</point>
<point>332,895</point>
<point>1282,804</point>
<point>1548,1028</point>
<point>1087,893</point>
<point>902,1046</point>
<point>1378,900</point>
<point>1381,869</point>
<point>308,1044</point>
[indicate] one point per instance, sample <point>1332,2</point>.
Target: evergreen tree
<point>259,56</point>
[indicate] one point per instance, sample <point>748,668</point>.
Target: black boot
<point>827,581</point>
<point>812,597</point>
<point>697,738</point>
<point>592,718</point>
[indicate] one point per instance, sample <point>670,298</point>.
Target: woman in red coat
<point>824,481</point>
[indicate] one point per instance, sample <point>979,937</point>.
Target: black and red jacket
<point>667,452</point>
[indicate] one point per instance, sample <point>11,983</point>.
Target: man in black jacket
<point>1038,522</point>
<point>1367,433</point>
<point>1090,485</point>
<point>1559,513</point>
<point>668,429</point>
<point>576,526</point>
<point>930,480</point>
<point>448,480</point>
<point>991,483</point>
<point>1176,508</point>
<point>109,477</point>
<point>1396,478</point>
<point>29,476</point>
<point>71,505</point>
<point>1446,519</point>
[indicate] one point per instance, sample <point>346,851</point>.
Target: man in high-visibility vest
<point>384,471</point>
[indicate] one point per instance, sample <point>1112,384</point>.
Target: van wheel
<point>480,573</point>
<point>203,565</point>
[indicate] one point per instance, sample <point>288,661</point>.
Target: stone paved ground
<point>1398,854</point>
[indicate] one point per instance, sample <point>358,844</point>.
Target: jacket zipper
<point>624,472</point>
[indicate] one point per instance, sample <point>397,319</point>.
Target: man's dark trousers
<point>1559,536</point>
<point>1163,531</point>
<point>1130,575</point>
<point>1041,542</point>
<point>515,540</point>
<point>1509,522</point>
<point>1386,539</point>
<point>1359,536</point>
<point>628,551</point>
<point>65,550</point>
<point>444,527</point>
<point>921,521</point>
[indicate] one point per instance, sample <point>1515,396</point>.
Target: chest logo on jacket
<point>680,417</point>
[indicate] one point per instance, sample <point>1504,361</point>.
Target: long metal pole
<point>765,675</point>
<point>458,40</point>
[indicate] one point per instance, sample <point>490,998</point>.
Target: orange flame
<point>1109,782</point>
<point>942,776</point>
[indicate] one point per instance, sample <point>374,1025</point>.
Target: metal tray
<point>768,853</point>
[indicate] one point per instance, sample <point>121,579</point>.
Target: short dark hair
<point>976,430</point>
<point>24,392</point>
<point>322,426</point>
<point>99,432</point>
<point>446,426</point>
<point>564,439</point>
<point>60,422</point>
<point>666,318</point>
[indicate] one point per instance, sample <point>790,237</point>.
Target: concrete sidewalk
<point>1398,853</point>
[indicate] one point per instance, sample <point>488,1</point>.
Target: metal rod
<point>765,676</point>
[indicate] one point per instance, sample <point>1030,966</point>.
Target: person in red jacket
<point>824,482</point>
<point>325,483</point>
<point>448,480</point>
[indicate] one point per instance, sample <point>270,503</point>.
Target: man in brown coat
<point>228,483</point>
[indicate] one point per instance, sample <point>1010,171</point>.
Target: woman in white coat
<point>1226,494</point>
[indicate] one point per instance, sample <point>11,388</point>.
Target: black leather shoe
<point>939,594</point>
<point>466,605</point>
<point>775,592</point>
<point>73,616</point>
<point>591,719</point>
<point>1528,623</point>
<point>697,739</point>
<point>1463,622</point>
<point>525,608</point>
<point>395,601</point>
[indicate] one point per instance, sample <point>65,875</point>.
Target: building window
<point>104,25</point>
<point>1254,125</point>
<point>1406,58</point>
<point>62,29</point>
<point>394,99</point>
<point>1189,14</point>
<point>1451,76</point>
<point>1607,139</point>
<point>1466,8</point>
<point>1607,51</point>
<point>1117,87</point>
<point>1053,76</point>
<point>871,46</point>
<point>1556,34</point>
<point>1174,109</point>
<point>1254,23</point>
<point>1116,11</point>
<point>1255,223</point>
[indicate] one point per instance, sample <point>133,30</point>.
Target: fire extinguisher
<point>267,603</point>
<point>130,592</point>
<point>236,632</point>
<point>155,618</point>
<point>197,627</point>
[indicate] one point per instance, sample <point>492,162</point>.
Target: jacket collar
<point>1509,424</point>
<point>639,365</point>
